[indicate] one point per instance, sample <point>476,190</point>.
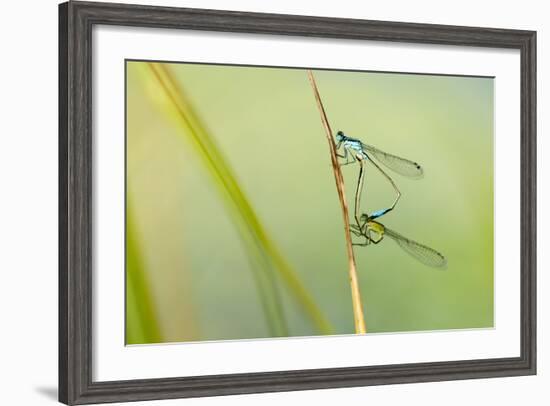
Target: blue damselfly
<point>354,150</point>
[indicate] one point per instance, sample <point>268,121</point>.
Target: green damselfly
<point>374,232</point>
<point>361,152</point>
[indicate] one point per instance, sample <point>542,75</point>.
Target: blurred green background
<point>192,272</point>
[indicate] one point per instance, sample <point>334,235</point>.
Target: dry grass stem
<point>359,318</point>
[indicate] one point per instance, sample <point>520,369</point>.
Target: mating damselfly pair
<point>372,231</point>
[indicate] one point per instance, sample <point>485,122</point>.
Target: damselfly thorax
<point>355,147</point>
<point>375,231</point>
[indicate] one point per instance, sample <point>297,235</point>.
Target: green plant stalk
<point>141,323</point>
<point>267,289</point>
<point>264,279</point>
<point>224,175</point>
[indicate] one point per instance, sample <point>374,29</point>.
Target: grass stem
<point>142,325</point>
<point>358,316</point>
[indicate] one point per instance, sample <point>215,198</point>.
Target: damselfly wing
<point>428,256</point>
<point>402,166</point>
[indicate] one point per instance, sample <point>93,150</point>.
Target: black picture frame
<point>76,20</point>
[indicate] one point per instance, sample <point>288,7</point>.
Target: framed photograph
<point>258,202</point>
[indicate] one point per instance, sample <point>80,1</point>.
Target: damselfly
<point>374,232</point>
<point>360,152</point>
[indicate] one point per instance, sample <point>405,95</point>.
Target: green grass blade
<point>141,322</point>
<point>265,252</point>
<point>263,273</point>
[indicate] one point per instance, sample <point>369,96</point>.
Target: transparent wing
<point>426,255</point>
<point>402,166</point>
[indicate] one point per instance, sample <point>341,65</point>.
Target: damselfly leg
<point>345,155</point>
